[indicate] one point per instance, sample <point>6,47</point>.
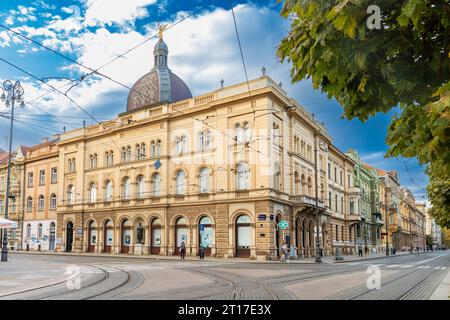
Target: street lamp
<point>12,92</point>
<point>318,257</point>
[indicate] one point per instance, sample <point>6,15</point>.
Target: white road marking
<point>420,267</point>
<point>426,267</point>
<point>406,266</point>
<point>438,267</point>
<point>393,266</point>
<point>443,268</point>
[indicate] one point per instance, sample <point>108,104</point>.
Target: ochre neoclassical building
<point>219,170</point>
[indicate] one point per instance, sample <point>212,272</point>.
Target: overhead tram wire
<point>28,125</point>
<point>101,125</point>
<point>102,66</point>
<point>245,72</point>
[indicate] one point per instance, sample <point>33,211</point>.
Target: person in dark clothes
<point>183,250</point>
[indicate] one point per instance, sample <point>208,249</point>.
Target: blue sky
<point>203,50</point>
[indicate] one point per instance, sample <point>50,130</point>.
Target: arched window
<point>41,203</point>
<point>276,176</point>
<point>71,195</point>
<point>309,187</point>
<point>242,176</point>
<point>180,181</point>
<point>123,153</point>
<point>156,185</point>
<point>205,140</point>
<point>28,230</point>
<point>53,201</point>
<point>204,178</point>
<point>246,132</point>
<point>238,134</point>
<point>152,149</point>
<point>29,204</point>
<point>39,231</point>
<point>128,154</point>
<point>158,148</point>
<point>126,188</point>
<point>92,193</point>
<point>72,165</point>
<point>296,183</point>
<point>109,191</point>
<point>140,187</point>
<point>93,161</point>
<point>243,236</point>
<point>140,151</point>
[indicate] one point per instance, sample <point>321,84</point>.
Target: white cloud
<point>5,39</point>
<point>9,20</point>
<point>108,12</point>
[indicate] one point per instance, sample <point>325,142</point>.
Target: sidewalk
<point>442,292</point>
<point>326,259</point>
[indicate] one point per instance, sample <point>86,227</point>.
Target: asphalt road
<point>30,276</point>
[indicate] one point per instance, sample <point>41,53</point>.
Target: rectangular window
<point>335,174</point>
<point>54,175</point>
<point>41,177</point>
<point>352,206</point>
<point>391,219</point>
<point>30,179</point>
<point>329,200</point>
<point>337,233</point>
<point>349,181</point>
<point>1,206</point>
<point>340,173</point>
<point>329,171</point>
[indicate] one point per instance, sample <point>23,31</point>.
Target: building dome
<point>159,85</point>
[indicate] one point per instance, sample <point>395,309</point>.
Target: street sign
<point>283,224</point>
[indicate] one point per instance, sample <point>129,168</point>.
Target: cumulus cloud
<point>108,12</point>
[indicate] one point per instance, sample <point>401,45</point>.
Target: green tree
<point>405,63</point>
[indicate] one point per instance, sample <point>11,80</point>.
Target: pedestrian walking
<point>183,250</point>
<point>283,252</point>
<point>366,250</point>
<point>202,252</point>
<point>360,251</point>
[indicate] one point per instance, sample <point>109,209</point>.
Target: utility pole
<point>318,257</point>
<point>14,93</point>
<point>386,208</point>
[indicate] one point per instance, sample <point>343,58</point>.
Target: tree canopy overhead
<point>405,63</point>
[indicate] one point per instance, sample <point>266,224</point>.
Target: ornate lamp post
<point>318,258</point>
<point>12,93</point>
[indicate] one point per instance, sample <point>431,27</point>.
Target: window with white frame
<point>180,182</point>
<point>156,185</point>
<point>242,176</point>
<point>140,187</point>
<point>71,195</point>
<point>204,179</point>
<point>238,134</point>
<point>41,203</point>
<point>29,204</point>
<point>30,179</point>
<point>205,140</point>
<point>93,161</point>
<point>92,193</point>
<point>28,230</point>
<point>246,131</point>
<point>39,231</point>
<point>41,177</point>
<point>53,201</point>
<point>54,175</point>
<point>126,193</point>
<point>140,151</point>
<point>108,191</point>
<point>109,156</point>
<point>180,144</point>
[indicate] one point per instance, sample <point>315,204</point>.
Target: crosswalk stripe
<point>426,267</point>
<point>443,268</point>
<point>437,268</point>
<point>406,266</point>
<point>419,267</point>
<point>393,266</point>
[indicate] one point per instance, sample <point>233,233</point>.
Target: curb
<point>162,258</point>
<point>442,292</point>
<point>381,257</point>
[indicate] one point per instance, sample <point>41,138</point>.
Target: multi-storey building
<point>220,170</point>
<point>390,197</point>
<point>41,196</point>
<point>15,212</point>
<point>432,229</point>
<point>412,235</point>
<point>342,201</point>
<point>368,231</point>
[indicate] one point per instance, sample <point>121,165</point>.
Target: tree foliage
<point>405,63</point>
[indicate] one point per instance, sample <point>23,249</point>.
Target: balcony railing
<point>306,200</point>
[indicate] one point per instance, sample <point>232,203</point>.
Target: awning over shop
<point>7,224</point>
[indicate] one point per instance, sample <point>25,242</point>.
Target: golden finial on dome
<point>161,29</point>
